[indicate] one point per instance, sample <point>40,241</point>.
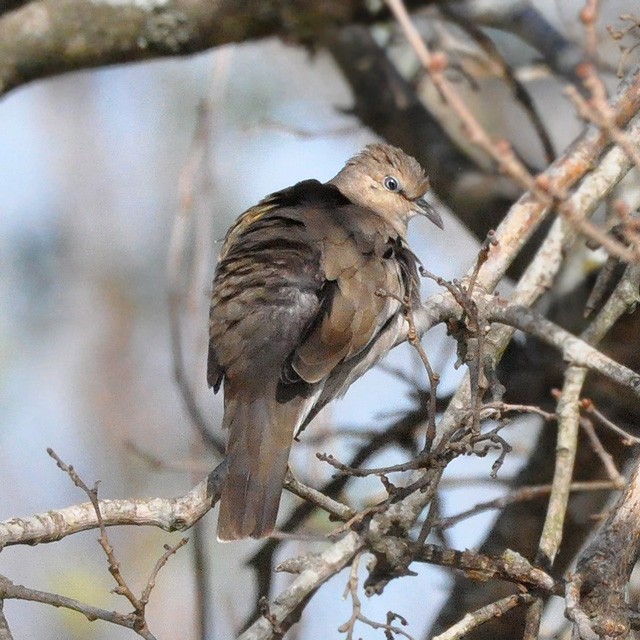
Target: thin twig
<point>589,407</point>
<point>139,604</point>
<point>331,506</point>
<point>114,566</point>
<point>434,379</point>
<point>356,610</point>
<point>521,494</point>
<point>607,459</point>
<point>589,18</point>
<point>169,550</point>
<point>598,111</point>
<point>566,448</point>
<point>361,472</point>
<point>8,591</point>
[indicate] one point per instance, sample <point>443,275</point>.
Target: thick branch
<point>604,568</point>
<point>511,566</point>
<point>46,37</point>
<point>170,514</point>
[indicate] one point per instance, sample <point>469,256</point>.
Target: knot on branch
<point>390,560</point>
<point>391,550</point>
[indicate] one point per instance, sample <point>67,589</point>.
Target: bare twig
<point>568,425</point>
<point>8,591</point>
<point>598,111</point>
<point>169,550</point>
<point>590,409</point>
<point>589,18</point>
<point>139,604</point>
<point>497,410</point>
<point>520,495</point>
<point>619,34</point>
<point>615,476</point>
<point>331,506</point>
<point>114,566</point>
<point>356,611</point>
<point>361,472</point>
<point>434,379</point>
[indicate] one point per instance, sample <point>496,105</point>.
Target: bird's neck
<point>398,221</point>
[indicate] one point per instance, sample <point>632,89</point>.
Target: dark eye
<point>391,184</point>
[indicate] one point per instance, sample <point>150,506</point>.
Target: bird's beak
<point>423,208</point>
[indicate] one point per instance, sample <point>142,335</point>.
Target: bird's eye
<point>391,184</point>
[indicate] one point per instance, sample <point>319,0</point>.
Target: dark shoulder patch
<point>270,210</point>
<point>309,192</point>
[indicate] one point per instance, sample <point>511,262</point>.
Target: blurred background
<point>118,185</point>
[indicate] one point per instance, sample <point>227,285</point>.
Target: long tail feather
<point>260,435</point>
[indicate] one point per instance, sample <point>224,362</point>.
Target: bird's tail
<point>260,435</point>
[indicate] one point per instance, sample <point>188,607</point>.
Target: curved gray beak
<point>423,208</point>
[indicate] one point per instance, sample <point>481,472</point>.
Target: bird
<point>310,291</point>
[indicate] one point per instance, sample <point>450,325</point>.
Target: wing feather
<point>353,259</point>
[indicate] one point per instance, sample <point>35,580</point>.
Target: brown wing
<point>347,372</point>
<point>358,259</point>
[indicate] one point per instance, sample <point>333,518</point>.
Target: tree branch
<point>47,37</point>
<point>314,572</point>
<point>604,569</point>
<point>5,631</point>
<point>9,591</point>
<point>170,514</point>
<point>484,614</point>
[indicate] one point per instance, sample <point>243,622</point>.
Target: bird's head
<point>388,181</point>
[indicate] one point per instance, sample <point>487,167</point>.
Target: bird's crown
<point>380,161</point>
